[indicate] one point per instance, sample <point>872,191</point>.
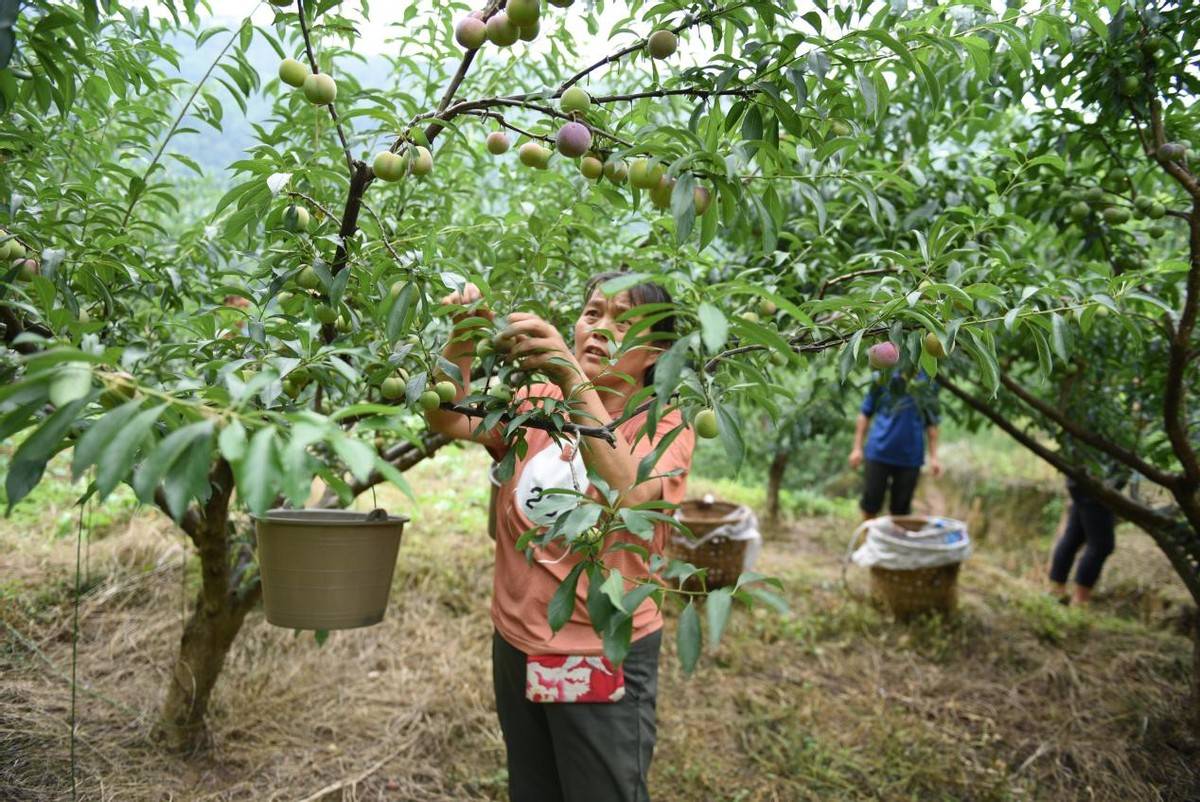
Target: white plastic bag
<point>939,541</point>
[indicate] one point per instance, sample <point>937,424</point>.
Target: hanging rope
<point>75,642</point>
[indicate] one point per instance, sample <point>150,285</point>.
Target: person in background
<point>900,419</point>
<point>1090,529</point>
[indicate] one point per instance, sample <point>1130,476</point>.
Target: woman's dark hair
<point>641,294</point>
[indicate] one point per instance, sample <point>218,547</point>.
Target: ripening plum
<point>293,73</point>
<point>388,166</point>
<point>392,388</point>
<point>523,12</point>
<point>295,218</point>
<point>883,355</point>
<point>662,44</point>
<point>320,89</point>
<point>933,346</point>
<point>532,154</point>
<point>660,195</point>
<point>701,198</point>
<point>470,33</point>
<point>575,100</point>
<point>645,176</point>
<point>446,391</point>
<point>705,424</point>
<point>308,278</point>
<point>497,143</point>
<point>429,400</point>
<point>616,171</point>
<point>501,30</point>
<point>422,164</point>
<point>574,139</point>
<point>591,167</point>
<point>527,33</point>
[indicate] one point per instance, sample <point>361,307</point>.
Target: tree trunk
<point>1196,675</point>
<point>206,640</point>
<point>774,481</point>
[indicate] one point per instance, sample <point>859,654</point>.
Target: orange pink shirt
<point>522,589</point>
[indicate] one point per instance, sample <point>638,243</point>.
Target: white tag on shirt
<point>551,468</point>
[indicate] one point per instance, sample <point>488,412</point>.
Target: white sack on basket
<point>742,524</point>
<point>940,541</point>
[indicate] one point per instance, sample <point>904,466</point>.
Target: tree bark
<point>774,482</point>
<point>202,650</point>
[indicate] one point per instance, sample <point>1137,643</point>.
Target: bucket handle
<point>854,538</point>
<point>377,514</point>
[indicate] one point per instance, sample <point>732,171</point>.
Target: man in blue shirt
<point>900,419</point>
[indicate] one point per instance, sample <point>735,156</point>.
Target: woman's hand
<point>467,296</point>
<point>536,346</point>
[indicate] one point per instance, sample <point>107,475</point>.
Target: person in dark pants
<point>1091,527</point>
<point>901,419</point>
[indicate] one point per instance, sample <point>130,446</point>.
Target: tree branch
<point>1159,138</point>
<point>1174,401</point>
<point>312,61</point>
<point>1084,435</point>
<point>698,19</point>
<point>402,457</point>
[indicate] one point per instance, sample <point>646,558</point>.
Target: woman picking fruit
<point>576,727</point>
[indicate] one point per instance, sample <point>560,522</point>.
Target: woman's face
<point>598,334</point>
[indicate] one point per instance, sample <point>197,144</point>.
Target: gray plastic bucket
<point>327,569</point>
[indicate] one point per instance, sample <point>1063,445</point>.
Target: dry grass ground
<point>1017,698</point>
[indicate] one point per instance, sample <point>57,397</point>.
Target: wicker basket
<point>916,591</point>
<point>722,557</point>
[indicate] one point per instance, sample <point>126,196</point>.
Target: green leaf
<point>688,638</point>
<point>618,637</point>
<point>164,457</point>
<point>717,607</point>
<point>562,604</point>
<point>258,472</point>
<point>118,456</point>
<point>232,441</point>
<point>714,327</point>
<point>98,435</point>
<point>29,461</point>
<point>638,522</point>
<point>359,457</point>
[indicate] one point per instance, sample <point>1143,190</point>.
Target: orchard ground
<point>1016,698</point>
